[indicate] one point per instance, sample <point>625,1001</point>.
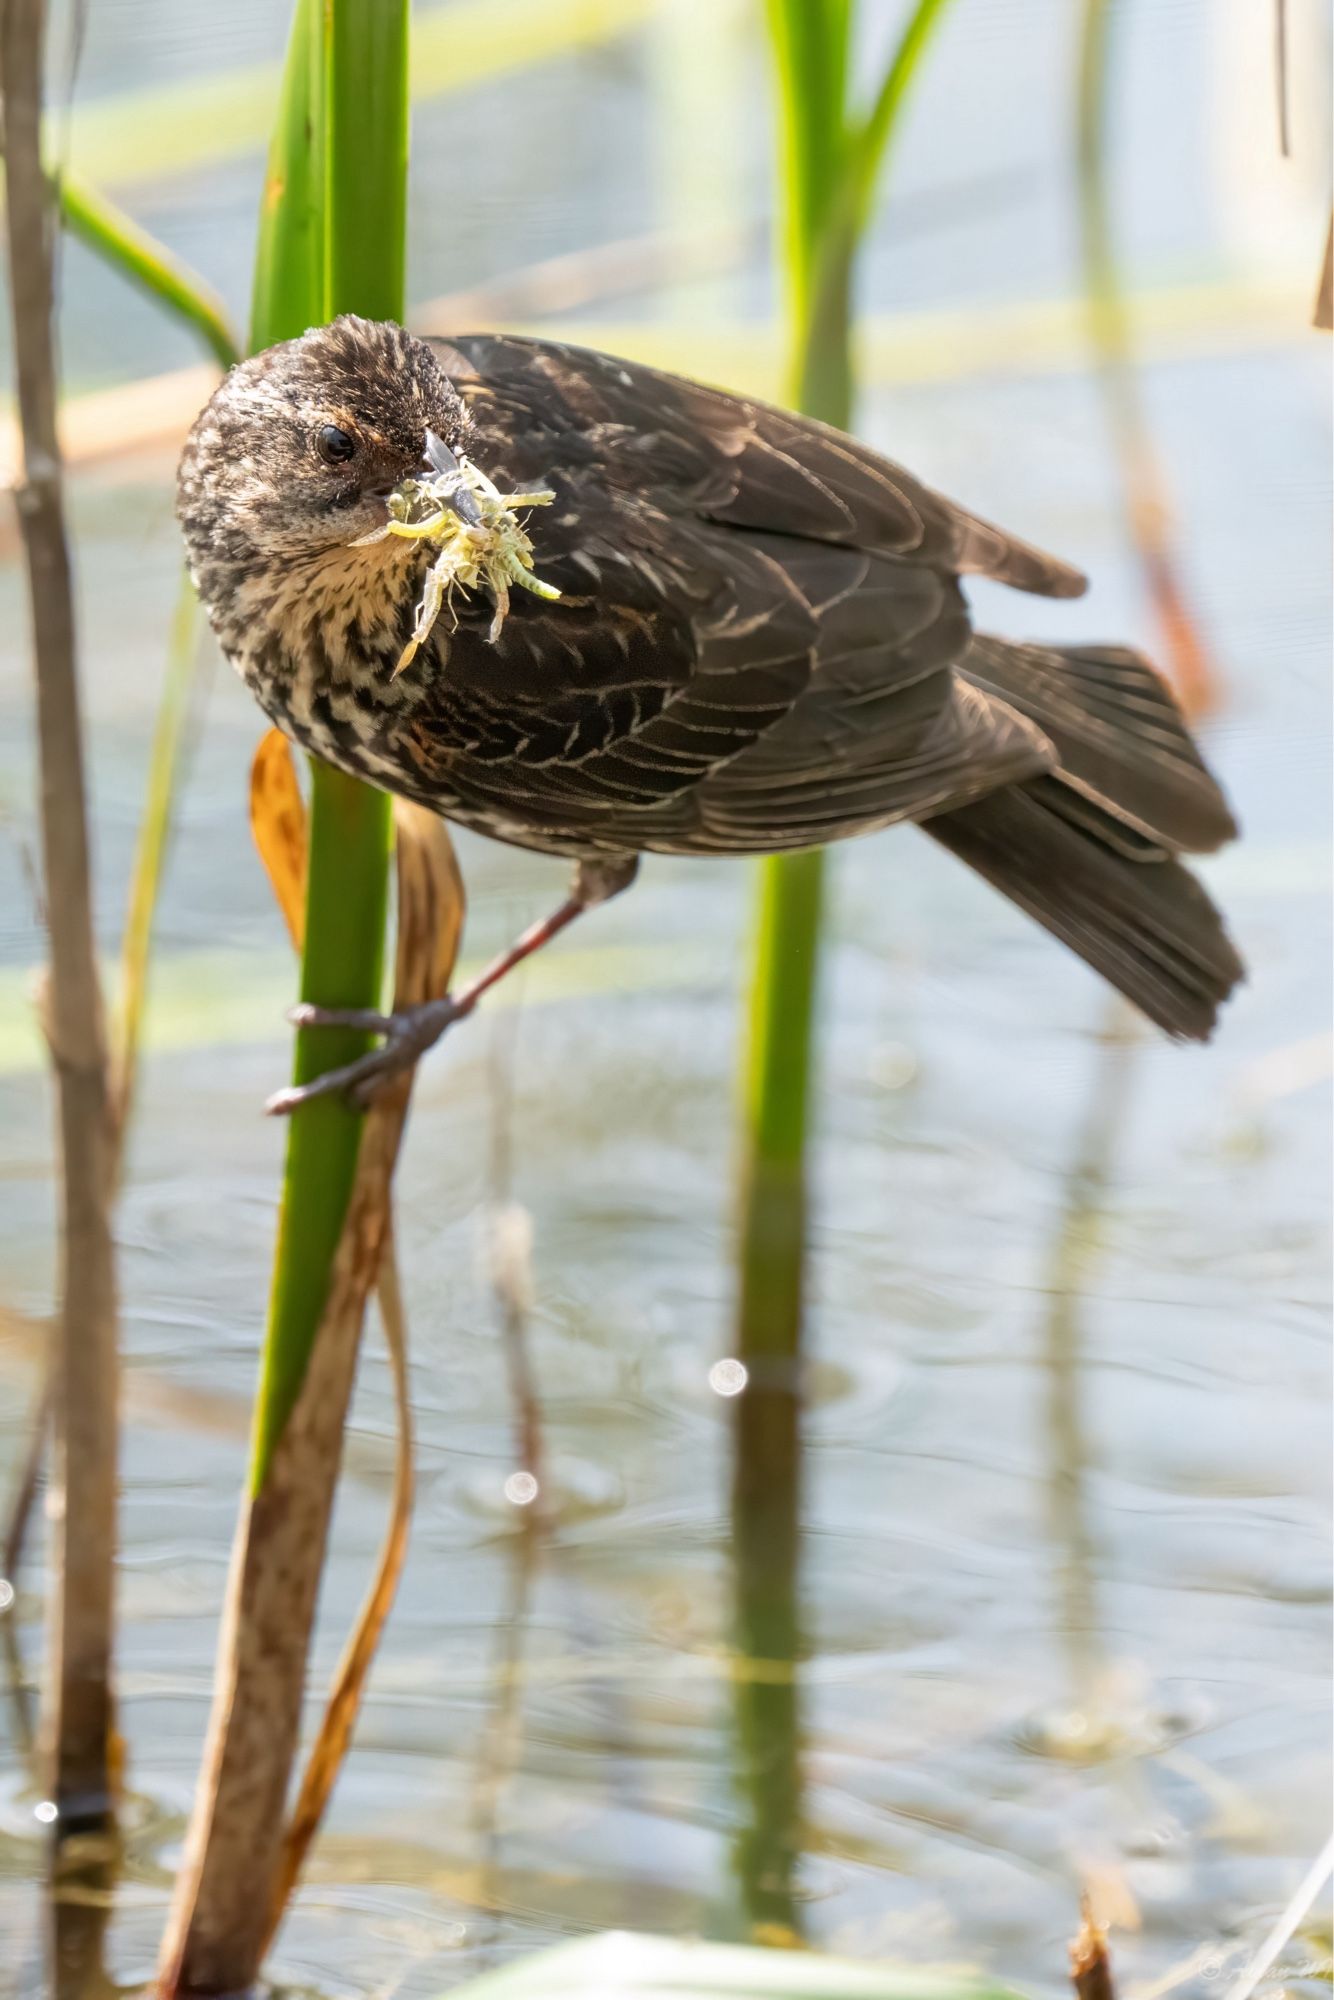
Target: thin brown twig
<point>1090,1965</point>
<point>1191,668</point>
<point>1323,316</point>
<point>85,1367</point>
<point>1281,76</point>
<point>510,1252</point>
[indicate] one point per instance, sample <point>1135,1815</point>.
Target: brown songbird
<point>760,644</point>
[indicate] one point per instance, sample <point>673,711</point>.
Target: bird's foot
<point>407,1037</point>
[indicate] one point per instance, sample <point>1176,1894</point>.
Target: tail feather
<point>1119,734</point>
<point>1089,850</point>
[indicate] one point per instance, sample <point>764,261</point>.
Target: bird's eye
<point>335,447</point>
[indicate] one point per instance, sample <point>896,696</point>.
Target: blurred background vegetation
<point>1061,1609</point>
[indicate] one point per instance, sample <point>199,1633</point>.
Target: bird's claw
<point>407,1037</point>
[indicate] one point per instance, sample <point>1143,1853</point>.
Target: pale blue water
<point>1032,1651</point>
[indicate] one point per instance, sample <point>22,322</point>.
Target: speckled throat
<point>317,646</point>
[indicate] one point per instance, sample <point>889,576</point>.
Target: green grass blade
<point>121,243</point>
<point>150,856</point>
<point>877,130</point>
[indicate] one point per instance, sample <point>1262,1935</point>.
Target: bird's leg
<point>408,1035</point>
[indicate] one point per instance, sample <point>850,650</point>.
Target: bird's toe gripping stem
<point>407,1037</point>
<point>409,1034</point>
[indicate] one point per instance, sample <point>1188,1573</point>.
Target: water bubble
<point>47,1811</point>
<point>893,1066</point>
<point>521,1489</point>
<point>728,1377</point>
<point>6,1593</point>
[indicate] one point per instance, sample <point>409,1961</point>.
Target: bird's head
<point>294,457</point>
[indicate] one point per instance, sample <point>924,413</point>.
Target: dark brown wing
<point>729,458</point>
<point>883,730</point>
<point>759,619</point>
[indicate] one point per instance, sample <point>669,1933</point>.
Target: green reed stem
<point>830,160</point>
<point>332,240</point>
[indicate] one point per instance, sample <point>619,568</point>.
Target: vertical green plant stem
<point>331,240</point>
<point>810,39</point>
<point>346,213</point>
<point>366,159</point>
<point>810,42</point>
<point>830,160</point>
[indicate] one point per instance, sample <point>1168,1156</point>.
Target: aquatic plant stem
<point>80,1716</point>
<point>357,182</point>
<point>830,159</point>
<point>332,240</point>
<point>810,49</point>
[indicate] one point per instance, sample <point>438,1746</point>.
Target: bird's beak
<point>444,464</point>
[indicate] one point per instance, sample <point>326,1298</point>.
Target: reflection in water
<point>82,1885</point>
<point>18,1689</point>
<point>502,1738</point>
<point>1197,1555</point>
<point>510,1251</point>
<point>766,1534</point>
<point>1076,1243</point>
<point>25,1490</point>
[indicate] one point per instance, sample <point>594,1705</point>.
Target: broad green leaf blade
<point>623,1965</point>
